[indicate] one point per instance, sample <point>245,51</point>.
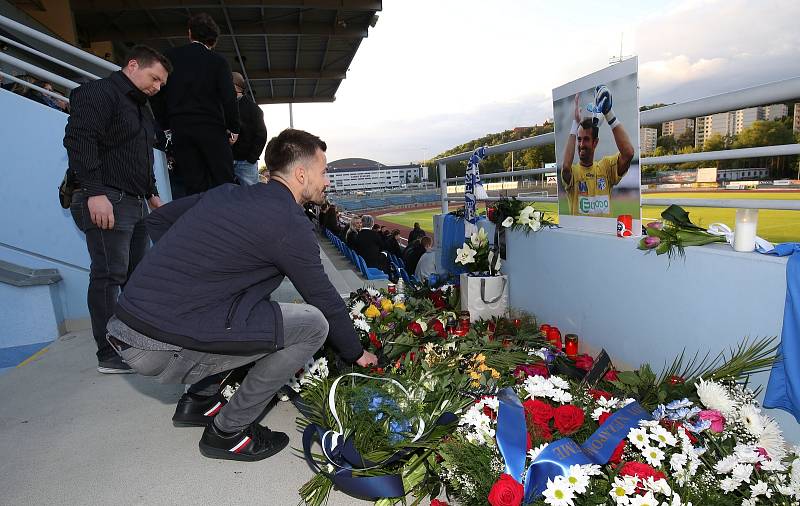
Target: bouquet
<point>676,232</point>
<point>516,215</point>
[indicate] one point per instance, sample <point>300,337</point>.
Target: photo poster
<point>605,180</point>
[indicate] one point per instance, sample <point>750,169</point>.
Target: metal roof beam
<point>249,29</point>
<point>294,100</point>
<point>268,75</point>
<point>107,5</point>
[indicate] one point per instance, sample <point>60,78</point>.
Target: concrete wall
<point>642,308</point>
<point>34,230</point>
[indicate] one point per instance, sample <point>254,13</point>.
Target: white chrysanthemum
<point>746,454</point>
<point>358,307</point>
<point>771,440</point>
<point>728,485</point>
<point>610,403</point>
<point>760,488</point>
<point>577,479</point>
<point>639,437</point>
<point>534,452</point>
<point>659,486</point>
<point>653,455</point>
<point>726,464</point>
<point>663,436</point>
<point>648,499</point>
<point>598,412</point>
<point>794,475</point>
<point>625,402</point>
<point>677,461</point>
<point>361,324</point>
<point>714,396</point>
<point>373,292</point>
<point>623,487</point>
<point>559,382</point>
<point>561,396</point>
<point>749,502</point>
<point>751,418</point>
<point>742,472</point>
<point>559,492</point>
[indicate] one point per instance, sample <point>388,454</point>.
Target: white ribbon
<point>337,435</point>
<point>721,229</point>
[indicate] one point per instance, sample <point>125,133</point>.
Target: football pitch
<point>774,226</point>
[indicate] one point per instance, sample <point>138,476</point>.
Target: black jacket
<point>206,283</point>
<point>110,136</point>
<point>415,234</point>
<point>253,135</point>
<point>368,244</point>
<point>199,91</point>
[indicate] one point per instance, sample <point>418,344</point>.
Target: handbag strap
<point>483,291</point>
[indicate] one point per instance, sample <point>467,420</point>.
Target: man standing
<point>199,108</point>
<point>589,184</point>
<point>252,138</point>
<point>416,233</point>
<point>199,303</point>
<point>109,138</point>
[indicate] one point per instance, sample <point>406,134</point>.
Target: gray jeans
<point>305,329</point>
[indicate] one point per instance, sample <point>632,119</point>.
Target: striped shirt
<point>110,137</point>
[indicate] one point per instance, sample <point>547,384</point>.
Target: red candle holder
<point>391,288</point>
<point>571,345</point>
<point>554,336</point>
<point>517,322</point>
<point>544,328</point>
<point>463,321</point>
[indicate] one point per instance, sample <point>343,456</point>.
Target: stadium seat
<point>370,272</point>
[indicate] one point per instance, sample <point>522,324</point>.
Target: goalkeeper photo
<point>588,183</point>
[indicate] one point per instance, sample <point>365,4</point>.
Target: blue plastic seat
<point>370,272</point>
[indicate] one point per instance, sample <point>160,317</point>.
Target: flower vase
<point>483,295</point>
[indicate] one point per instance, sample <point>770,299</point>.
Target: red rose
<point>373,338</point>
<point>568,419</point>
<point>598,394</point>
<point>584,362</point>
<point>539,412</point>
<point>437,502</point>
<point>529,442</point>
<point>438,300</point>
<point>611,375</point>
<point>641,471</point>
<point>415,328</point>
<point>506,492</point>
<point>437,325</point>
<point>604,417</point>
<point>542,431</point>
<point>616,457</point>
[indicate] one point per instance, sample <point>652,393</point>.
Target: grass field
<point>775,226</point>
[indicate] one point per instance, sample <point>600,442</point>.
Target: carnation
<point>714,396</point>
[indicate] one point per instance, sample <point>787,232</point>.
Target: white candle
<point>744,236</point>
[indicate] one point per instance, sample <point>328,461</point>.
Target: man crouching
<point>199,305</point>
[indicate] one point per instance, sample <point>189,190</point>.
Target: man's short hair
<point>238,80</point>
<point>426,241</point>
<point>591,124</point>
<point>204,29</point>
<point>146,56</point>
<point>290,146</point>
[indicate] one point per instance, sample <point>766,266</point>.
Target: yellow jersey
<point>589,192</point>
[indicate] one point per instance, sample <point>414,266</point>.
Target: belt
<point>116,343</point>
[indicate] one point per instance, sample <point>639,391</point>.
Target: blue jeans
<point>246,172</point>
<point>114,254</point>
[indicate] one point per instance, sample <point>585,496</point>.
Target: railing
<point>770,93</point>
<point>50,43</point>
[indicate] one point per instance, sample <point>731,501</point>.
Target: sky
<point>433,74</point>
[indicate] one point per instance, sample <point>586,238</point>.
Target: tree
<point>667,142</point>
<point>714,143</point>
<point>686,139</point>
<point>764,133</point>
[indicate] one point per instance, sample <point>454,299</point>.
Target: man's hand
<point>154,202</point>
<point>577,115</point>
<point>233,138</point>
<point>101,212</point>
<point>367,359</point>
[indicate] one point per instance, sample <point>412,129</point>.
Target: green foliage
<point>765,133</point>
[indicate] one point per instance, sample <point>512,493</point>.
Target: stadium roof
<point>363,164</point>
<point>290,50</point>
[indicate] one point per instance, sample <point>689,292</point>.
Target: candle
<point>391,288</point>
<point>554,336</point>
<point>744,235</point>
<point>571,345</point>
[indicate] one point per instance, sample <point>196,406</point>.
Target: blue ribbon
<point>556,458</point>
<point>347,459</point>
<point>472,179</point>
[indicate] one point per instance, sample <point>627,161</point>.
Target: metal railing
<point>770,93</point>
<point>51,43</point>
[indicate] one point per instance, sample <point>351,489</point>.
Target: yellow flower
<point>475,384</point>
<point>495,374</point>
<point>372,311</point>
<point>400,305</point>
<point>483,367</point>
<point>474,375</point>
<point>480,357</point>
<point>386,305</point>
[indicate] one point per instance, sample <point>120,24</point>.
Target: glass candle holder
<point>554,336</point>
<point>391,288</point>
<point>571,345</point>
<point>463,321</point>
<point>744,235</point>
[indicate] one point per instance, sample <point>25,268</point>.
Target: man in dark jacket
<point>199,107</point>
<point>416,233</point>
<point>109,140</point>
<point>369,245</point>
<point>200,305</point>
<point>252,138</point>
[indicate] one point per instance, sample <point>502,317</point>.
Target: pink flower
<point>715,417</point>
<point>658,225</point>
<point>651,241</point>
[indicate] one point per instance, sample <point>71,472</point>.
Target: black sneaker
<point>253,443</point>
<point>114,365</point>
<point>197,411</point>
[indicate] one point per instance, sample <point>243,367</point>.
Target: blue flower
<point>699,426</point>
<point>659,412</point>
<point>677,404</point>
